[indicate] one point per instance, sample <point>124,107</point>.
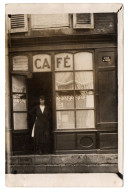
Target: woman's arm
<point>32,112</point>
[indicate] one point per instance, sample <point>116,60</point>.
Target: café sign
<point>42,63</point>
<point>63,61</point>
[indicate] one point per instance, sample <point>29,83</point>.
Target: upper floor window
<point>42,21</point>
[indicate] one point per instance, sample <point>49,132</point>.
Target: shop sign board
<point>63,61</point>
<point>42,63</point>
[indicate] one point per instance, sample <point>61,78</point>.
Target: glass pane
<point>85,119</point>
<point>84,80</point>
<point>84,99</point>
<point>65,119</point>
<point>20,121</point>
<point>63,61</point>
<point>19,84</point>
<point>64,100</point>
<point>64,81</point>
<point>20,63</point>
<point>83,61</point>
<point>19,102</point>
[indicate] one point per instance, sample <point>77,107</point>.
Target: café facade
<point>71,59</point>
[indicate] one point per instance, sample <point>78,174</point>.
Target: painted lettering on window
<point>42,63</point>
<point>63,61</point>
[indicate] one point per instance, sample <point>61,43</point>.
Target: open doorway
<point>40,85</point>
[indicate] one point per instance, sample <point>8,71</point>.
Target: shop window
<point>83,20</point>
<point>19,102</point>
<point>74,84</point>
<point>18,23</point>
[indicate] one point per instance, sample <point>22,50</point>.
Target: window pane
<point>83,61</point>
<point>84,99</point>
<point>84,80</point>
<point>85,119</point>
<point>63,61</point>
<point>19,84</point>
<point>20,121</point>
<point>65,119</point>
<point>19,102</point>
<point>20,63</point>
<point>64,100</point>
<point>64,81</point>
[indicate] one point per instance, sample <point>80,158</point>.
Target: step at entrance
<point>69,163</point>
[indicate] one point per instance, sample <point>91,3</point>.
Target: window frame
<point>13,111</point>
<point>73,90</point>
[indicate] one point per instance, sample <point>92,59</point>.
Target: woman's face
<point>42,101</point>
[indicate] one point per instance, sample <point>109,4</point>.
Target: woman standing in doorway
<point>41,128</point>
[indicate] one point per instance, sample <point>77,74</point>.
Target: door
<point>40,85</point>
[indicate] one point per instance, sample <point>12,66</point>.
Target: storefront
<point>77,74</point>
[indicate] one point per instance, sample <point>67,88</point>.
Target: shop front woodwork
<point>80,86</point>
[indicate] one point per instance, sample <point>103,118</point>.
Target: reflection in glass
<point>64,100</point>
<point>18,84</point>
<point>83,61</point>
<point>84,99</point>
<point>65,119</point>
<point>64,81</point>
<point>85,119</point>
<point>20,121</point>
<point>84,80</point>
<point>19,102</point>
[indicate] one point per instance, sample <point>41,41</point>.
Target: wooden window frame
<point>12,93</point>
<point>73,90</point>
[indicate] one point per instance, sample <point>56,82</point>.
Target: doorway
<point>40,85</point>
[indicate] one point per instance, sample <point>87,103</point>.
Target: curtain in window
<point>84,80</point>
<point>85,119</point>
<point>84,99</point>
<point>65,119</point>
<point>64,81</point>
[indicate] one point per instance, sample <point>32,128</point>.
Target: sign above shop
<point>20,63</point>
<point>106,59</point>
<point>63,61</point>
<point>42,63</point>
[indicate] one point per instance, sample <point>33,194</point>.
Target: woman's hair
<point>42,97</point>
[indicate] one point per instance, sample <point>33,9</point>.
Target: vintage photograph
<point>62,93</point>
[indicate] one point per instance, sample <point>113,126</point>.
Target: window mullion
<point>74,91</point>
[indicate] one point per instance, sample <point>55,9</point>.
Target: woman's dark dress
<point>42,134</point>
